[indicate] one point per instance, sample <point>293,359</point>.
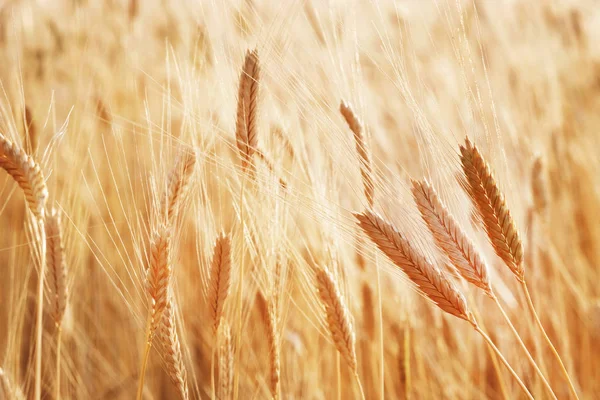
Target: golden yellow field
<point>243,207</point>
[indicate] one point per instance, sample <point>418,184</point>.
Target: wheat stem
<point>506,364</point>
<point>58,348</point>
<point>148,346</point>
<point>529,357</point>
<point>547,339</point>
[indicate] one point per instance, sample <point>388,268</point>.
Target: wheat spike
<point>247,108</point>
<point>169,339</point>
<point>449,237</point>
<point>159,274</point>
<point>361,148</point>
<point>56,266</point>
<point>220,279</point>
<point>338,316</point>
<point>430,281</point>
<point>178,180</point>
<point>491,207</point>
<point>538,186</point>
<point>269,313</point>
<point>27,173</point>
<point>225,363</point>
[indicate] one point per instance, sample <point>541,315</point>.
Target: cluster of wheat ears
<point>203,330</point>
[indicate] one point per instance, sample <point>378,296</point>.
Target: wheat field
<point>299,199</point>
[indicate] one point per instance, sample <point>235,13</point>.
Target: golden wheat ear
<point>178,181</point>
<point>246,129</point>
<point>430,281</point>
<point>220,279</point>
<point>27,173</point>
<point>169,339</point>
<point>56,279</point>
<point>449,236</point>
<point>492,210</point>
<point>225,363</point>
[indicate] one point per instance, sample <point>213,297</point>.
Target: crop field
<point>299,199</point>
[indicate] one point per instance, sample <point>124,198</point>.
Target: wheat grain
<point>169,339</point>
<point>430,281</point>
<point>449,237</point>
<point>220,279</point>
<point>247,108</point>
<point>338,316</point>
<point>27,173</point>
<point>491,207</point>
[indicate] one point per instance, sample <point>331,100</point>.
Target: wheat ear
<point>178,181</point>
<point>430,281</point>
<point>56,281</point>
<point>269,313</point>
<point>27,173</point>
<point>168,337</point>
<point>450,238</point>
<point>220,279</point>
<point>491,207</point>
<point>247,108</point>
<point>225,363</point>
<point>489,201</point>
<point>157,281</point>
<point>339,320</point>
<point>361,148</point>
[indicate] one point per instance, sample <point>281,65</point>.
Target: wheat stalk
<point>491,207</point>
<point>449,237</point>
<point>500,228</point>
<point>27,173</point>
<point>247,108</point>
<point>225,364</point>
<point>361,148</point>
<point>220,279</point>
<point>178,181</point>
<point>168,337</point>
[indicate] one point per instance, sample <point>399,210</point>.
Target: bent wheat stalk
<point>430,281</point>
<point>338,320</point>
<point>501,230</point>
<point>28,175</point>
<point>451,239</point>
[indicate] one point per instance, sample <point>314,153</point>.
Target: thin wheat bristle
<point>449,237</point>
<point>430,281</point>
<point>27,173</point>
<point>338,317</point>
<point>225,363</point>
<point>220,279</point>
<point>169,339</point>
<point>158,276</point>
<point>56,266</point>
<point>247,108</point>
<point>361,148</point>
<point>481,186</point>
<point>179,179</point>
